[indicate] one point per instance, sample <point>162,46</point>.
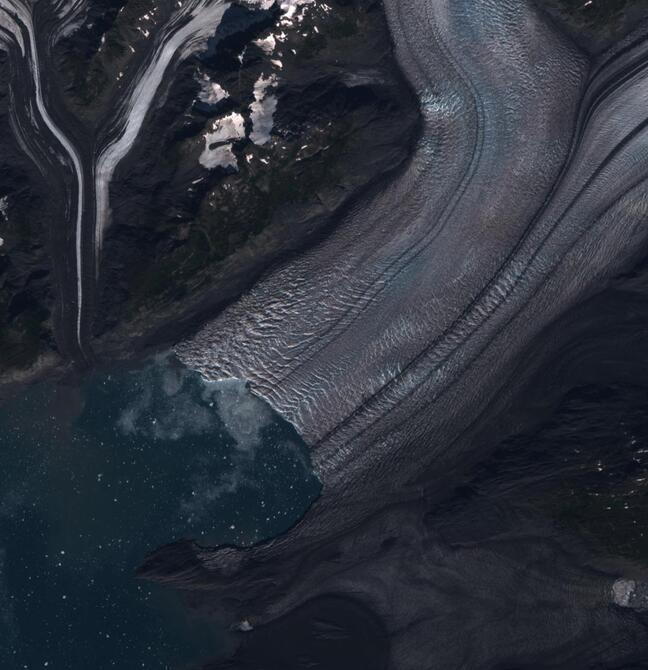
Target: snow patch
<point>218,149</point>
<point>221,156</point>
<point>210,91</point>
<point>291,10</point>
<point>260,4</point>
<point>262,109</point>
<point>197,22</point>
<point>267,44</point>
<point>229,127</point>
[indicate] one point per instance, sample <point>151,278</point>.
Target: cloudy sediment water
<point>99,474</point>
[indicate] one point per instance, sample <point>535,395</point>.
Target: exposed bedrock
<point>26,300</point>
<point>390,344</point>
<point>355,336</point>
<point>199,214</point>
<point>482,580</point>
<point>595,26</point>
<point>43,314</point>
<point>450,591</point>
<point>186,148</point>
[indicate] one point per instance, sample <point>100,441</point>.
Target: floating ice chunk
<point>262,110</point>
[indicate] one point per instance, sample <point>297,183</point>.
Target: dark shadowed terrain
<point>400,251</point>
<point>188,231</point>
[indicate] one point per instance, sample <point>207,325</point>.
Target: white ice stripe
<point>21,135</point>
<point>67,7</point>
<point>25,17</point>
<point>69,148</point>
<point>9,26</point>
<point>205,17</point>
<point>70,13</point>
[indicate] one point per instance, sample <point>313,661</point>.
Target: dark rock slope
<point>252,144</point>
<point>186,239</point>
<point>27,300</point>
<point>595,25</point>
<point>401,352</point>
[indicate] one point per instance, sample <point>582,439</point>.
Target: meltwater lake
<point>96,475</point>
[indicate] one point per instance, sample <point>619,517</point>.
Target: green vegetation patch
<point>24,338</point>
<point>241,206</point>
<point>95,79</point>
